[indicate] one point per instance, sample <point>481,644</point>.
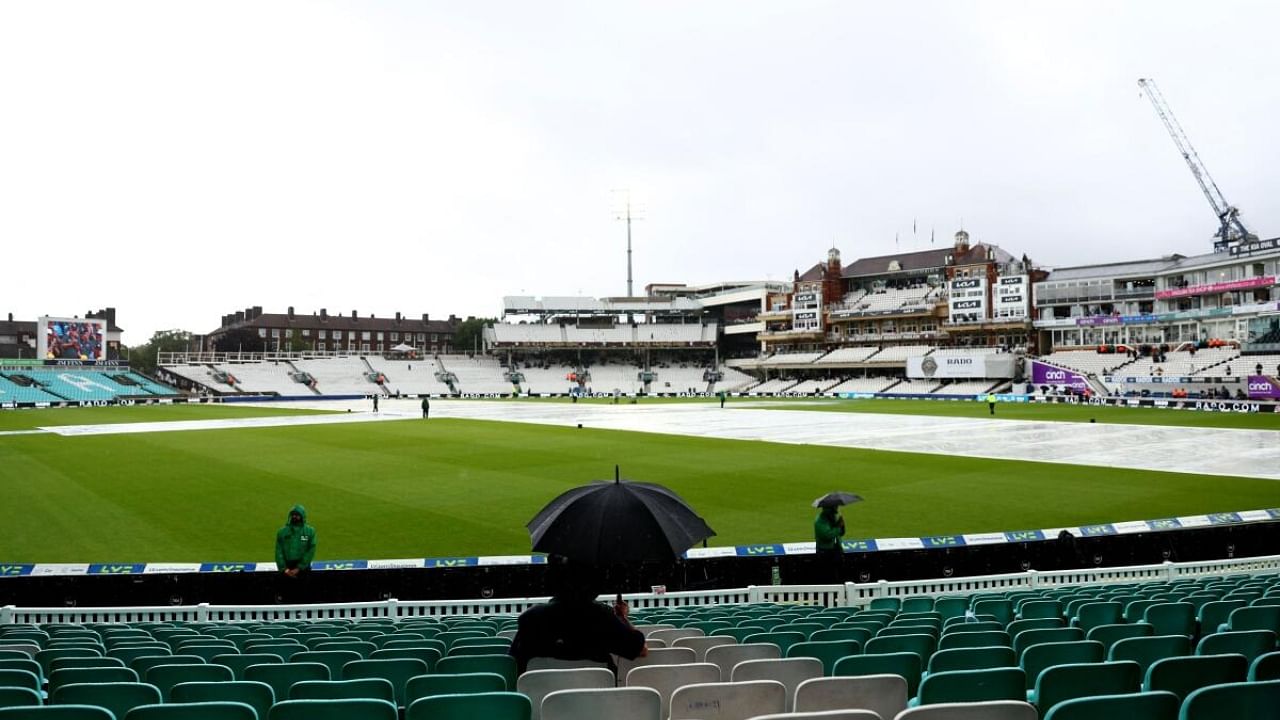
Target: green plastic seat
<point>906,665</point>
<point>56,712</point>
<point>989,638</point>
<point>1233,701</point>
<point>503,665</point>
<point>1109,635</point>
<point>1066,682</point>
<point>829,652</point>
<point>286,650</point>
<point>1256,617</point>
<point>1182,675</point>
<point>858,635</point>
<point>973,627</point>
<point>1040,610</point>
<point>142,664</point>
<point>1265,667</point>
<point>364,647</point>
<point>1135,609</point>
<point>1005,683</point>
<point>1092,614</point>
<point>239,663</point>
<point>1214,613</point>
<point>470,706</point>
<point>950,607</point>
<point>1133,706</point>
<point>978,658</point>
<point>922,645</point>
<point>372,687</point>
<point>916,603</point>
<point>1002,609</point>
<point>85,662</point>
<point>1039,657</point>
<point>282,676</point>
<point>396,671</point>
<point>891,604</point>
<point>46,657</point>
<point>449,637</point>
<point>26,665</point>
<point>256,695</point>
<point>1249,643</point>
<point>1027,638</point>
<point>119,698</point>
<point>741,633</point>
<point>13,696</point>
<point>70,676</point>
<point>349,709</point>
<point>1147,650</point>
<point>1177,618</point>
<point>165,677</point>
<point>194,711</point>
<point>453,684</point>
<point>332,659</point>
<point>132,652</point>
<point>20,678</point>
<point>1018,626</point>
<point>782,639</point>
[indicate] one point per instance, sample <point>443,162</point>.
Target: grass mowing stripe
<point>116,414</point>
<point>467,487</point>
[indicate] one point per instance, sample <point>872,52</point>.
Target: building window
<point>364,335</point>
<point>395,336</point>
<point>306,332</point>
<point>288,332</point>
<point>262,332</point>
<point>422,337</point>
<point>379,337</point>
<point>365,347</point>
<point>337,334</point>
<point>324,334</point>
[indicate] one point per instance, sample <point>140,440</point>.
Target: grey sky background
<point>181,160</point>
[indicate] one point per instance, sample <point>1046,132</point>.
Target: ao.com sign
<point>1213,288</point>
<point>1262,387</point>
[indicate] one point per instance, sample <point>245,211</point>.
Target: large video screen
<point>72,339</point>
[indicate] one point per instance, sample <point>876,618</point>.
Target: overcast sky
<point>180,160</point>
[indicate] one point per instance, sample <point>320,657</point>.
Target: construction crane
<point>1231,230</point>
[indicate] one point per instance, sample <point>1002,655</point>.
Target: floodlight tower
<point>1231,231</point>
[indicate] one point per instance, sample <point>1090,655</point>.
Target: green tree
<point>467,336</point>
<point>143,357</point>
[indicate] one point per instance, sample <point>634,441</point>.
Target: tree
<point>468,335</point>
<point>143,357</point>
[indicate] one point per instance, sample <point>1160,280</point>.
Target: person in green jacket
<point>828,528</point>
<point>295,543</point>
<point>991,403</point>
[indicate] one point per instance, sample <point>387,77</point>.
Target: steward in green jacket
<point>295,543</point>
<point>828,528</point>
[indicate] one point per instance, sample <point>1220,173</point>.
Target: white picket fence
<point>849,594</point>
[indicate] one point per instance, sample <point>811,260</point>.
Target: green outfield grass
<point>29,419</point>
<point>460,487</point>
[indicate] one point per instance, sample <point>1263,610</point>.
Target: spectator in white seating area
<point>572,625</point>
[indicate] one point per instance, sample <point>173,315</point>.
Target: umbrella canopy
<point>836,499</point>
<point>606,523</point>
<point>403,348</point>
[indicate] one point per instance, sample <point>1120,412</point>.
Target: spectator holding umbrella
<point>828,529</point>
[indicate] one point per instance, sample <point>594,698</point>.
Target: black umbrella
<point>836,499</point>
<point>611,523</point>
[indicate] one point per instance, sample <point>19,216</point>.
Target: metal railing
<point>848,594</point>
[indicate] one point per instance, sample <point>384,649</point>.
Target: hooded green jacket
<point>295,543</point>
<point>827,531</point>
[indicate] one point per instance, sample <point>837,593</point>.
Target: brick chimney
<point>290,312</point>
<point>425,317</point>
<point>324,315</point>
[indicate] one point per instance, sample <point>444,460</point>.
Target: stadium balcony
<point>899,353</point>
<point>1195,638</point>
<point>865,385</point>
<point>1088,362</point>
<point>847,356</point>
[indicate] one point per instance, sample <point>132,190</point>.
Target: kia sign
<point>1262,387</point>
<point>1046,374</point>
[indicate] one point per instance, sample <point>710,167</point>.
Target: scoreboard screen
<point>72,339</point>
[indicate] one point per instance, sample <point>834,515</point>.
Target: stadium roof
<point>906,262</point>
<point>341,322</point>
<point>1140,268</point>
<point>529,305</point>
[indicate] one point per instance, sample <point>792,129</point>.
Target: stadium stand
<point>10,391</point>
<point>865,385</point>
<point>1088,362</point>
<point>919,387</point>
<point>734,380</point>
<point>338,376</point>
<point>78,385</point>
<point>411,377</point>
<point>480,374</point>
<point>892,299</point>
<point>869,647</point>
<point>1181,362</point>
<point>899,353</point>
<point>847,356</point>
<point>791,358</point>
<point>1245,365</point>
<point>774,386</point>
<point>263,377</point>
<point>969,387</point>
